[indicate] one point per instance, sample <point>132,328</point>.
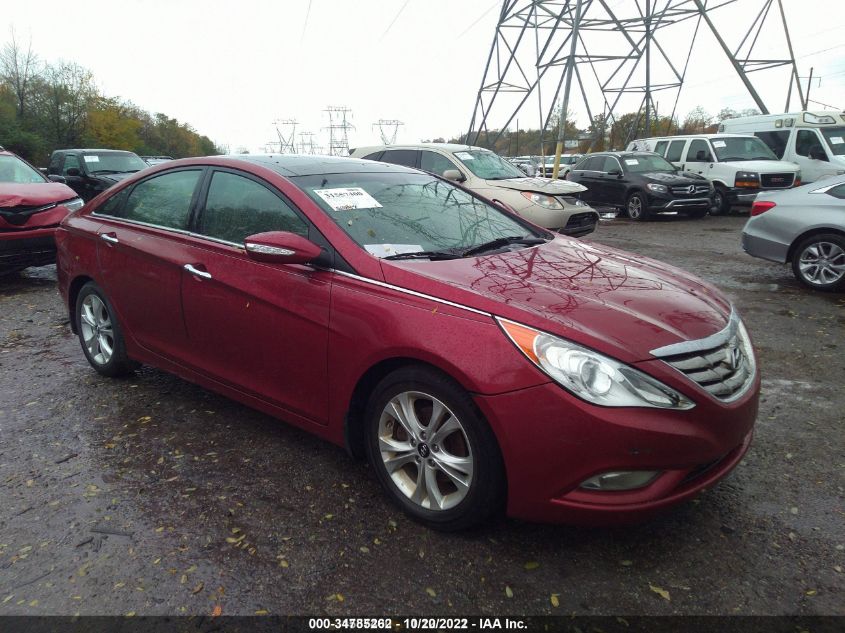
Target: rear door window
<point>676,150</point>
<point>163,200</point>
<point>775,140</point>
<point>407,157</point>
<point>660,148</point>
<point>237,207</point>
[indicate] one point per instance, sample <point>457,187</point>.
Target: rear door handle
<point>111,238</point>
<point>196,271</point>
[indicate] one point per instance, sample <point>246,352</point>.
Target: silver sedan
<point>804,226</point>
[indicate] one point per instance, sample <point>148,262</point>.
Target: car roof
<point>309,164</point>
<point>99,151</point>
<point>621,153</point>
<point>684,136</point>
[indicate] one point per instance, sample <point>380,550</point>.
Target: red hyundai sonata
<point>477,361</point>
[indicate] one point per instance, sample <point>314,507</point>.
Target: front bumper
<point>552,442</point>
<point>743,197</point>
<point>660,202</point>
<point>22,249</point>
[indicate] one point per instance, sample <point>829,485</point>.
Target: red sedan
<point>479,362</point>
<point>31,207</point>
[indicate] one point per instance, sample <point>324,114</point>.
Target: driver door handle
<point>111,238</point>
<point>196,271</point>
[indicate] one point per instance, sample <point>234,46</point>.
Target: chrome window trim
<point>714,340</point>
<point>168,228</point>
<point>827,188</point>
<point>413,293</point>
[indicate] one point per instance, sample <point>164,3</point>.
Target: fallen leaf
<point>660,592</point>
<point>431,592</point>
<point>336,597</point>
<point>131,614</point>
<point>531,565</point>
<point>554,600</point>
<point>508,592</point>
<point>197,589</point>
<point>191,569</point>
<point>218,610</point>
<point>364,549</point>
<point>262,612</point>
<point>810,592</point>
<point>284,563</point>
<point>626,563</point>
<point>183,579</point>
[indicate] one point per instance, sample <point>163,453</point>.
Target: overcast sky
<point>231,68</point>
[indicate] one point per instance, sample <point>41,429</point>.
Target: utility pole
<point>809,85</point>
<point>570,70</point>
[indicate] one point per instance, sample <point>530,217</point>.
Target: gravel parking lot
<point>152,496</point>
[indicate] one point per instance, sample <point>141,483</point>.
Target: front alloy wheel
<point>432,451</point>
<point>425,450</point>
<point>820,262</point>
<point>637,207</point>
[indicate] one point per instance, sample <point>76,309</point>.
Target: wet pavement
<point>149,495</point>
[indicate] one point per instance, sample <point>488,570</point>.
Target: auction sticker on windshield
<point>347,198</point>
<point>91,159</point>
<point>632,161</point>
<point>836,140</point>
<point>464,155</point>
<point>719,144</point>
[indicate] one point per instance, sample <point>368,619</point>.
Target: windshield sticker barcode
<point>347,198</point>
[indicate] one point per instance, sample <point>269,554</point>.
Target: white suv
<point>739,166</point>
<point>552,204</point>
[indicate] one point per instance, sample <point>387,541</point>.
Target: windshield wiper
<point>433,255</point>
<point>503,241</point>
<point>107,171</point>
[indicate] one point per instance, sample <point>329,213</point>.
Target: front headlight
<point>657,188</point>
<point>592,376</point>
<point>74,204</point>
<point>573,201</point>
<point>547,202</point>
<point>749,179</point>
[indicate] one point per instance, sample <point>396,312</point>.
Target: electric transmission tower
<point>387,130</point>
<point>553,57</point>
<point>338,128</point>
<point>306,143</point>
<point>286,131</point>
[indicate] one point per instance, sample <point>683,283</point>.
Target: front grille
<point>684,192</point>
<point>17,216</point>
<point>581,220</point>
<point>722,364</point>
<point>775,181</point>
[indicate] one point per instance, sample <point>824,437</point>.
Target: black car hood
<point>110,179</point>
<point>675,178</point>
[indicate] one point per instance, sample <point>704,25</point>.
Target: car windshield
<point>741,148</point>
<point>488,165</point>
<point>835,137</point>
<point>113,162</point>
<point>13,169</point>
<point>394,213</point>
<point>641,163</point>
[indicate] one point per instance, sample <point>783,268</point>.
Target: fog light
<point>621,480</point>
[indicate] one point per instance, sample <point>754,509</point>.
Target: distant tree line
<point>599,135</point>
<point>45,106</point>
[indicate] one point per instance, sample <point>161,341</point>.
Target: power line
<point>305,24</point>
<point>390,26</point>
<point>481,17</point>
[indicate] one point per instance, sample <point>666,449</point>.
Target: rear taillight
<point>761,206</point>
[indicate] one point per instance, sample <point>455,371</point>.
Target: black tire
<point>99,331</point>
<point>819,262</point>
<point>636,207</point>
<point>722,205</point>
<point>472,442</point>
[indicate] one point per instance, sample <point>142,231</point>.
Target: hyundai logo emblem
<point>733,357</point>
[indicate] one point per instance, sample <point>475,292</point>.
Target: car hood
<point>113,178</point>
<point>679,178</point>
<point>617,303</point>
<point>33,195</point>
<point>542,185</point>
<point>765,166</point>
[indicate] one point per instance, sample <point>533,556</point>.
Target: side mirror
<point>702,156</point>
<point>454,174</point>
<point>614,172</point>
<point>817,153</point>
<point>57,178</point>
<point>281,247</point>
<point>73,171</point>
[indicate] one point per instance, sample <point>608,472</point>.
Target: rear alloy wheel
<point>721,204</point>
<point>637,207</point>
<point>819,262</point>
<point>99,333</point>
<point>432,452</point>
